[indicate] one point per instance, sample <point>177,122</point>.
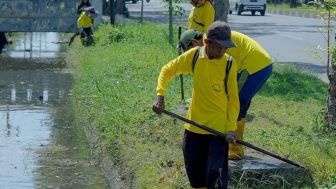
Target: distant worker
<point>84,24</point>
<point>254,68</point>
<point>202,15</point>
<point>82,5</point>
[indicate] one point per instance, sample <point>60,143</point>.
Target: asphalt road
<point>289,39</point>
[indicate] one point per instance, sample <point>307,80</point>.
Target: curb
<point>293,13</point>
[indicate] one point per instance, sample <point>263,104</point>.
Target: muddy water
<point>40,146</point>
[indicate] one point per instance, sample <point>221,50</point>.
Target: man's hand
<point>159,105</point>
<point>231,137</point>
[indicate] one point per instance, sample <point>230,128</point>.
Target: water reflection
<point>40,146</point>
<point>27,121</point>
<point>19,137</point>
<point>36,45</point>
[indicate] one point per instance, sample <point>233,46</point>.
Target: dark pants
<point>3,41</point>
<point>87,32</point>
<point>206,160</point>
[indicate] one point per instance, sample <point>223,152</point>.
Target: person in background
<point>84,24</point>
<point>214,104</point>
<point>202,15</point>
<point>82,5</point>
<point>254,68</point>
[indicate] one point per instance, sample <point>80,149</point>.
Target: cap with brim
<point>221,33</point>
<point>187,37</point>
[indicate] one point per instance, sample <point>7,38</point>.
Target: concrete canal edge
<point>293,13</point>
<point>103,158</point>
<point>257,170</point>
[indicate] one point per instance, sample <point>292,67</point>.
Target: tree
<point>329,124</point>
<point>222,10</point>
<point>292,4</point>
<point>330,116</point>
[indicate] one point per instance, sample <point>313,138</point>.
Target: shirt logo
<point>216,88</point>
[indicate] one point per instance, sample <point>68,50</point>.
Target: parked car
<point>248,5</point>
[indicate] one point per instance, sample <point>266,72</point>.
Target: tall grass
<point>115,88</point>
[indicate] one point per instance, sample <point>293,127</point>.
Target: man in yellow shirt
<point>201,16</point>
<point>254,68</point>
<point>206,161</point>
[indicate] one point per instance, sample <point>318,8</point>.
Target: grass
<point>301,8</point>
<point>115,87</point>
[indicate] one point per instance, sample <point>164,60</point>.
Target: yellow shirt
<point>248,53</point>
<point>200,18</point>
<point>84,21</point>
<point>210,105</point>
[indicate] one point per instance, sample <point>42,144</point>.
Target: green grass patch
<point>291,84</point>
<point>115,87</point>
<point>301,8</point>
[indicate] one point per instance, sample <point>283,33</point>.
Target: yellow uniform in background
<point>248,53</point>
<point>84,20</point>
<point>200,18</point>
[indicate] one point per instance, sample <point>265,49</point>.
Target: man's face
<point>214,50</point>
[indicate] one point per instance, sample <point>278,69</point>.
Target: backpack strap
<point>198,23</point>
<point>196,55</point>
<point>228,67</point>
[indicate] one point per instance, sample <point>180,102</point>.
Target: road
<point>289,39</point>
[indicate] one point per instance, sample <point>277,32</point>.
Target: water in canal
<point>40,146</point>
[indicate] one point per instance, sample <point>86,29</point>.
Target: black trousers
<point>206,160</point>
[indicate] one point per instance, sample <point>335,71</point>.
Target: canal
<point>40,144</point>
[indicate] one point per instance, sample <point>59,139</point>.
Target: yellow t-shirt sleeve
<point>181,65</point>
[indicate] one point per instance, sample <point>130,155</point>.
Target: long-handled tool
<point>238,141</point>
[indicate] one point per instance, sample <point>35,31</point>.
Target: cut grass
<point>115,88</point>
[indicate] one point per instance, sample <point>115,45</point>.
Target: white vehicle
<point>248,5</point>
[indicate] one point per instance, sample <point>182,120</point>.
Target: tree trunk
<point>106,8</point>
<point>170,35</point>
<point>292,4</point>
<point>331,108</point>
<point>330,116</point>
<point>221,10</point>
<point>121,7</point>
<point>112,12</point>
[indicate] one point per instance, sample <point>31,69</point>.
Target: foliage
<point>291,84</point>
